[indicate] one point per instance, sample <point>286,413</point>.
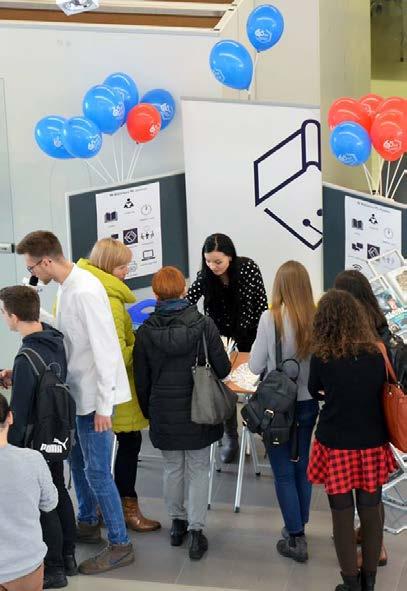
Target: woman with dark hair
<point>235,298</point>
<point>351,450</point>
<point>358,285</point>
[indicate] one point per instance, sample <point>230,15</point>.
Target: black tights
<point>125,471</point>
<point>370,512</point>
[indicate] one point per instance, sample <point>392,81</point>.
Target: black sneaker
<point>178,531</point>
<point>198,545</point>
<point>55,579</point>
<point>71,568</point>
<point>295,548</point>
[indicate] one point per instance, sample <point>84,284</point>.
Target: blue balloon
<point>163,101</point>
<point>231,64</point>
<point>81,137</point>
<point>48,135</point>
<point>350,143</point>
<point>265,26</point>
<point>104,106</point>
<point>126,87</point>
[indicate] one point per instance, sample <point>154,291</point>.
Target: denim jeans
<point>94,484</point>
<point>292,486</point>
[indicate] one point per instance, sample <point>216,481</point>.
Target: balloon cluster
<point>231,63</point>
<point>372,120</point>
<point>106,108</point>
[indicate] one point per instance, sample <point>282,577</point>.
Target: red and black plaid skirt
<point>342,470</point>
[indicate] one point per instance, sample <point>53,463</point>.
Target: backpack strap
<point>35,360</point>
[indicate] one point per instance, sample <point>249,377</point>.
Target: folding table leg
<point>240,473</point>
<point>114,452</point>
<point>212,464</point>
<point>255,456</point>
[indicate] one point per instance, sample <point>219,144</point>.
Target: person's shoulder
<point>25,454</point>
<point>247,266</point>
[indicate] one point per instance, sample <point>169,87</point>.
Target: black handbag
<point>271,411</point>
<point>212,401</point>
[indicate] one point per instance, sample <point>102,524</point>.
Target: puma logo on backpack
<point>51,422</point>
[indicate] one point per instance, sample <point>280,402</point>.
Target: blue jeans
<point>290,478</point>
<point>94,484</point>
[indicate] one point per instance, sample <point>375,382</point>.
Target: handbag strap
<point>389,368</point>
<point>205,348</point>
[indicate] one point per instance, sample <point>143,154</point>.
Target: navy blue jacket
<point>49,344</point>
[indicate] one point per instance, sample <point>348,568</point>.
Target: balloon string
<point>378,182</point>
<point>396,171</point>
<point>387,179</point>
<point>136,160</point>
<point>97,171</point>
<point>115,159</point>
<point>121,156</point>
<point>398,183</point>
<point>249,92</point>
<point>104,169</point>
<point>132,160</point>
<point>368,179</point>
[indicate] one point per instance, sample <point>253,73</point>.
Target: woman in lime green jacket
<point>109,262</point>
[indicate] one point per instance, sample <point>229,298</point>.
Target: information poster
<point>133,216</point>
<point>371,230</point>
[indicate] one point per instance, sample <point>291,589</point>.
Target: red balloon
<point>143,123</point>
<point>389,138</point>
<point>393,103</point>
<point>370,103</point>
<point>347,109</point>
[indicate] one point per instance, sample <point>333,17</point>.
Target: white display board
<point>132,215</point>
<point>371,230</point>
<point>253,172</point>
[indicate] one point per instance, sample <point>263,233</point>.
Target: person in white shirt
<point>98,381</point>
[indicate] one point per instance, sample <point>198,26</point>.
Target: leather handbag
<point>394,405</point>
<point>212,401</point>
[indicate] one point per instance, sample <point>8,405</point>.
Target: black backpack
<point>51,421</point>
<point>397,351</point>
<point>271,411</point>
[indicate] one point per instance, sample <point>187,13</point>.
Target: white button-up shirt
<point>96,372</point>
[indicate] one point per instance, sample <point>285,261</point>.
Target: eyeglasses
<point>30,269</point>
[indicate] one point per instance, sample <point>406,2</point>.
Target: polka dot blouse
<point>251,295</point>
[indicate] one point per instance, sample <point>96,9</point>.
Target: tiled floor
<point>242,553</point>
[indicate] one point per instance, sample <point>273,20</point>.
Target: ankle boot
<point>134,519</point>
<point>198,545</point>
<point>86,533</point>
<point>368,580</point>
<point>54,578</point>
<point>70,566</point>
<point>179,530</point>
<point>349,583</point>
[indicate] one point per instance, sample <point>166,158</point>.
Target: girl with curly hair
<point>351,451</point>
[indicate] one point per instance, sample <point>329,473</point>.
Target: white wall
<point>222,140</point>
<point>344,71</point>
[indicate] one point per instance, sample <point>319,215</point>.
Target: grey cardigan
<point>262,356</point>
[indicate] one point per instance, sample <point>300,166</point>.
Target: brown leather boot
<point>382,558</point>
<point>134,519</point>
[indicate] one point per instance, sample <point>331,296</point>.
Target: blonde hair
<point>292,294</point>
<point>108,253</point>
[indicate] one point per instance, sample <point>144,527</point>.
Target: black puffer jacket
<point>164,353</point>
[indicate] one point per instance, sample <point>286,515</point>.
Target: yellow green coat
<point>127,416</point>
